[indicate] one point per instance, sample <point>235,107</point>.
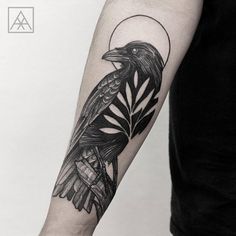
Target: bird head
<point>141,55</point>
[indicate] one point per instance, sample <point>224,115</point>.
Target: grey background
<point>39,84</point>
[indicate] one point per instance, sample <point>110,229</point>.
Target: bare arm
<point>136,49</point>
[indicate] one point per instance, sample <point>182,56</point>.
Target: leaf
<point>129,95</point>
<point>110,130</point>
<point>142,90</point>
<point>135,79</point>
<point>150,111</point>
<point>142,124</point>
<point>145,101</point>
<point>112,120</point>
<point>116,111</point>
<point>122,99</point>
<point>157,95</point>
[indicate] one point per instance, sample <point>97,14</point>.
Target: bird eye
<point>134,50</point>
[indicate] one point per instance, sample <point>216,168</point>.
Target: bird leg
<point>106,178</point>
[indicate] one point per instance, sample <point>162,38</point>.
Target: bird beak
<point>114,55</point>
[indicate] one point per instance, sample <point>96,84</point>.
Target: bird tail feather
<point>79,181</point>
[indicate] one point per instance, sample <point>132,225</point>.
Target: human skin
<point>179,19</point>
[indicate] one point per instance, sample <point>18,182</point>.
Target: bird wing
<point>100,98</point>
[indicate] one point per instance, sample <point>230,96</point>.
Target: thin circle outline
<point>168,37</point>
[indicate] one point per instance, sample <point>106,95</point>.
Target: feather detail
<point>68,186</point>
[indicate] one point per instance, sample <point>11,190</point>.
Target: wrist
<point>83,230</point>
<point>64,220</point>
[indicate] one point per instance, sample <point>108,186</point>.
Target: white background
<point>39,83</point>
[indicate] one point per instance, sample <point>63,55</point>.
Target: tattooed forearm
<point>119,108</point>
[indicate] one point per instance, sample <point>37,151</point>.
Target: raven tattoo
<point>119,108</point>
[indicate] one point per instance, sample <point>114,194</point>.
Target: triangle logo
<point>21,22</point>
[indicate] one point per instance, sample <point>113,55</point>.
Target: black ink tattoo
<point>119,108</point>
